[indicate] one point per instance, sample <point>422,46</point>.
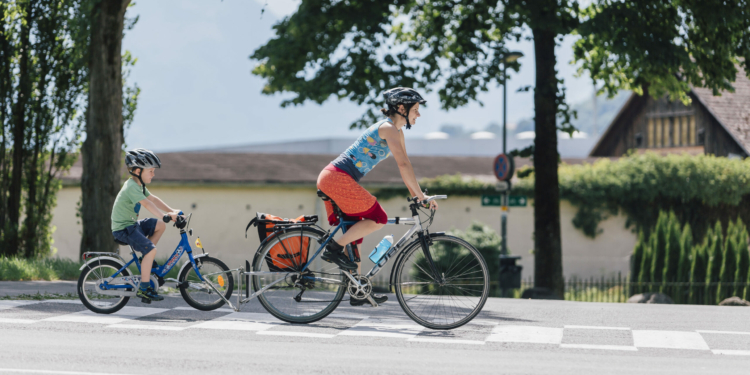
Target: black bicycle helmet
<point>141,158</point>
<point>403,95</point>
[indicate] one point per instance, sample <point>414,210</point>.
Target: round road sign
<point>503,167</point>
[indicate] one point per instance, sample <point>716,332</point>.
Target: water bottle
<point>382,248</point>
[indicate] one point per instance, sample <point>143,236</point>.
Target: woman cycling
<point>340,179</point>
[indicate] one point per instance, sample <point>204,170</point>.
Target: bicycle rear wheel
<point>451,298</point>
<point>300,297</point>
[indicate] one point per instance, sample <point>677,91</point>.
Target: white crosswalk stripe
<point>241,322</point>
<point>570,337</point>
<point>526,334</point>
<point>127,313</point>
<point>384,328</point>
<point>669,340</point>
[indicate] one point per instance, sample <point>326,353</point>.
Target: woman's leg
<point>359,230</point>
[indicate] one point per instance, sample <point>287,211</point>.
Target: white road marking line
<point>222,309</point>
<point>296,334</point>
<point>127,313</point>
<point>68,301</point>
<point>384,328</point>
<point>731,352</point>
<point>669,340</point>
<point>526,334</point>
<point>242,322</point>
<point>599,327</point>
<point>347,316</point>
<point>17,321</point>
<point>435,340</point>
<point>29,371</point>
<point>4,305</point>
<point>724,332</point>
<point>147,327</point>
<point>600,347</point>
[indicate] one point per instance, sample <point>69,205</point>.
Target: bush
<point>23,269</point>
<point>699,190</point>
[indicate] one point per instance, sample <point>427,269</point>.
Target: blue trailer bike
<point>106,282</point>
<point>440,281</point>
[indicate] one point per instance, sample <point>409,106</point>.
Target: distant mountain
<point>606,111</point>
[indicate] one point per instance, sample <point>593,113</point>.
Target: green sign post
<point>496,200</point>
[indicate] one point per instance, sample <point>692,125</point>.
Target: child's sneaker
<point>149,294</point>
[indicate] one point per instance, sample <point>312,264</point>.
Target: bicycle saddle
<point>120,242</point>
<point>323,195</point>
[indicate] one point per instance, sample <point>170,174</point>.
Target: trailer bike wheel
<point>199,295</point>
<point>451,298</point>
<point>91,295</point>
<point>302,296</point>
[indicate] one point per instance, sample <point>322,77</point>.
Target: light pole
<point>509,57</point>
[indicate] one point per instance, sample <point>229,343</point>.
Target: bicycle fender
<point>94,260</point>
<point>186,263</point>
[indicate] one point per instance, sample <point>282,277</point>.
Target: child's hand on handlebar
<point>432,205</point>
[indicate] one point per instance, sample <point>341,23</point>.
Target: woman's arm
<point>396,144</point>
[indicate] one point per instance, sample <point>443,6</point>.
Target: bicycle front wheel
<point>449,295</point>
<point>294,295</point>
<point>197,293</point>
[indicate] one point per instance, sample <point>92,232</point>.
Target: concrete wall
<point>221,214</point>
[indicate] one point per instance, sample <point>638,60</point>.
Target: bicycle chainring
<point>360,292</point>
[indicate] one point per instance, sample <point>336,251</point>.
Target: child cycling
<point>141,235</point>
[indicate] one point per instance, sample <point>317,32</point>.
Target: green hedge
<point>704,273</point>
<point>699,190</point>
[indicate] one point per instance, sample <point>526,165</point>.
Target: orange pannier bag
<point>289,254</point>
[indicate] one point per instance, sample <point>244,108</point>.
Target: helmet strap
<point>143,184</point>
<point>407,109</point>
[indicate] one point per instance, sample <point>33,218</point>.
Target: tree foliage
<point>44,56</point>
<point>356,49</point>
<point>43,80</point>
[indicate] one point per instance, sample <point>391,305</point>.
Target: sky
<point>197,91</point>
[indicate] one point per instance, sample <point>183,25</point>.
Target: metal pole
<point>504,197</point>
<point>505,117</point>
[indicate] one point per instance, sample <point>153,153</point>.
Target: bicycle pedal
<point>146,301</point>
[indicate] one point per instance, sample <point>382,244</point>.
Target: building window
<point>651,133</point>
<point>684,131</point>
<point>693,131</point>
<point>659,132</point>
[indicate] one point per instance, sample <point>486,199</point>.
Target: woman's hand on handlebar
<point>432,205</point>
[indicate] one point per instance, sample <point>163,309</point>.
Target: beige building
<point>224,191</point>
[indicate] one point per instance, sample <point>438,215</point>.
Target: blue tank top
<point>366,152</point>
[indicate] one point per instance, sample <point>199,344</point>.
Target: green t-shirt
<point>126,208</point>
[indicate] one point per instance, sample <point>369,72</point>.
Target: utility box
<point>510,272</point>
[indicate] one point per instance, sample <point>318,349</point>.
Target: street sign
<point>497,200</point>
<point>517,201</point>
<point>491,200</point>
<point>503,167</point>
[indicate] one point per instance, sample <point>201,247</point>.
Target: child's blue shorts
<point>137,235</point>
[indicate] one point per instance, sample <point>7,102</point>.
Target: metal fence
<point>619,289</point>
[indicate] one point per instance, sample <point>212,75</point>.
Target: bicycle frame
<point>416,228</point>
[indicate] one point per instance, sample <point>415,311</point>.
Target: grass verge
<point>40,297</point>
<point>49,269</point>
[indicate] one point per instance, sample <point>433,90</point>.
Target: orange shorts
<point>356,202</point>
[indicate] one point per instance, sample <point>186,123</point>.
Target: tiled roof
<point>732,110</point>
<point>228,168</point>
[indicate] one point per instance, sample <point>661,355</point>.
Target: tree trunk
<point>5,102</point>
<point>547,244</point>
<point>101,150</point>
<point>19,129</point>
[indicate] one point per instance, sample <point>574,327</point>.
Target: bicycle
<point>106,282</point>
<point>440,281</point>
